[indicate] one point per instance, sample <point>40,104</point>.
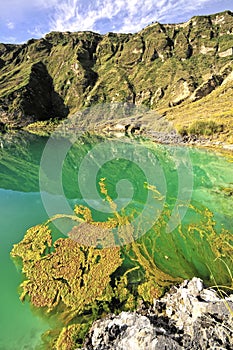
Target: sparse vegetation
<point>203,128</point>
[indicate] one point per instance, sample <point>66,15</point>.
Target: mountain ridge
<point>166,67</point>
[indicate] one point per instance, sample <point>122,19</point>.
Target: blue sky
<point>21,20</point>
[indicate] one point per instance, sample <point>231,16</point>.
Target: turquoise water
<point>20,327</point>
<point>205,178</point>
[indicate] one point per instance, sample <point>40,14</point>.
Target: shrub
<point>206,128</point>
<point>183,131</point>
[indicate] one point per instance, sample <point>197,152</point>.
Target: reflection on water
<point>181,253</point>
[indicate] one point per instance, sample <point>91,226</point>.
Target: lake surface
<point>20,327</point>
<point>183,177</point>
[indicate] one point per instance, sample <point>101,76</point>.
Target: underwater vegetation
<point>109,272</point>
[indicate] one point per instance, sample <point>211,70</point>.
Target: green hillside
<point>182,71</point>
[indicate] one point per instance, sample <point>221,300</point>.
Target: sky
<point>21,20</point>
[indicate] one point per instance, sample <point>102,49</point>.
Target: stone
<point>207,87</point>
<point>187,317</point>
<point>228,52</point>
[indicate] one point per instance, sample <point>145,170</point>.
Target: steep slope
<point>162,66</point>
<point>214,109</point>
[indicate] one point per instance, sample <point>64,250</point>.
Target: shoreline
<point>202,143</point>
<point>170,138</point>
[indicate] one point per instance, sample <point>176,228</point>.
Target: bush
<point>183,131</point>
<point>206,128</point>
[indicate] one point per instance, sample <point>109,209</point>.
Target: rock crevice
<point>187,317</point>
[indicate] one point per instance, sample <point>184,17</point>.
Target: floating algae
<point>76,276</point>
<point>86,282</point>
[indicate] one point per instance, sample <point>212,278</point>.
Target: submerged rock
<point>187,317</point>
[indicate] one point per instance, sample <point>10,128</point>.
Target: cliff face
<point>162,66</point>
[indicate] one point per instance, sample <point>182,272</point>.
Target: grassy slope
<point>217,106</point>
<point>159,67</point>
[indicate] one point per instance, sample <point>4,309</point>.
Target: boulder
<point>187,317</point>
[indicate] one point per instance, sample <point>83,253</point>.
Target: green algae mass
<point>83,283</point>
<point>67,274</point>
<point>74,277</point>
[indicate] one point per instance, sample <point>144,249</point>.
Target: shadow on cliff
<point>40,100</point>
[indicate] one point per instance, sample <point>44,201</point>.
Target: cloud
<point>120,15</point>
<point>35,18</point>
<point>10,25</point>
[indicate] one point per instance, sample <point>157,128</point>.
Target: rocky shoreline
<point>147,124</point>
<point>189,316</point>
<point>190,140</point>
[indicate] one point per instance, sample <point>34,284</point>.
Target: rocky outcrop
<point>228,52</point>
<point>182,90</point>
<point>207,87</point>
<point>187,317</point>
<point>161,66</point>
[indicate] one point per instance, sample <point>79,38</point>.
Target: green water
<point>20,327</point>
<point>205,179</point>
